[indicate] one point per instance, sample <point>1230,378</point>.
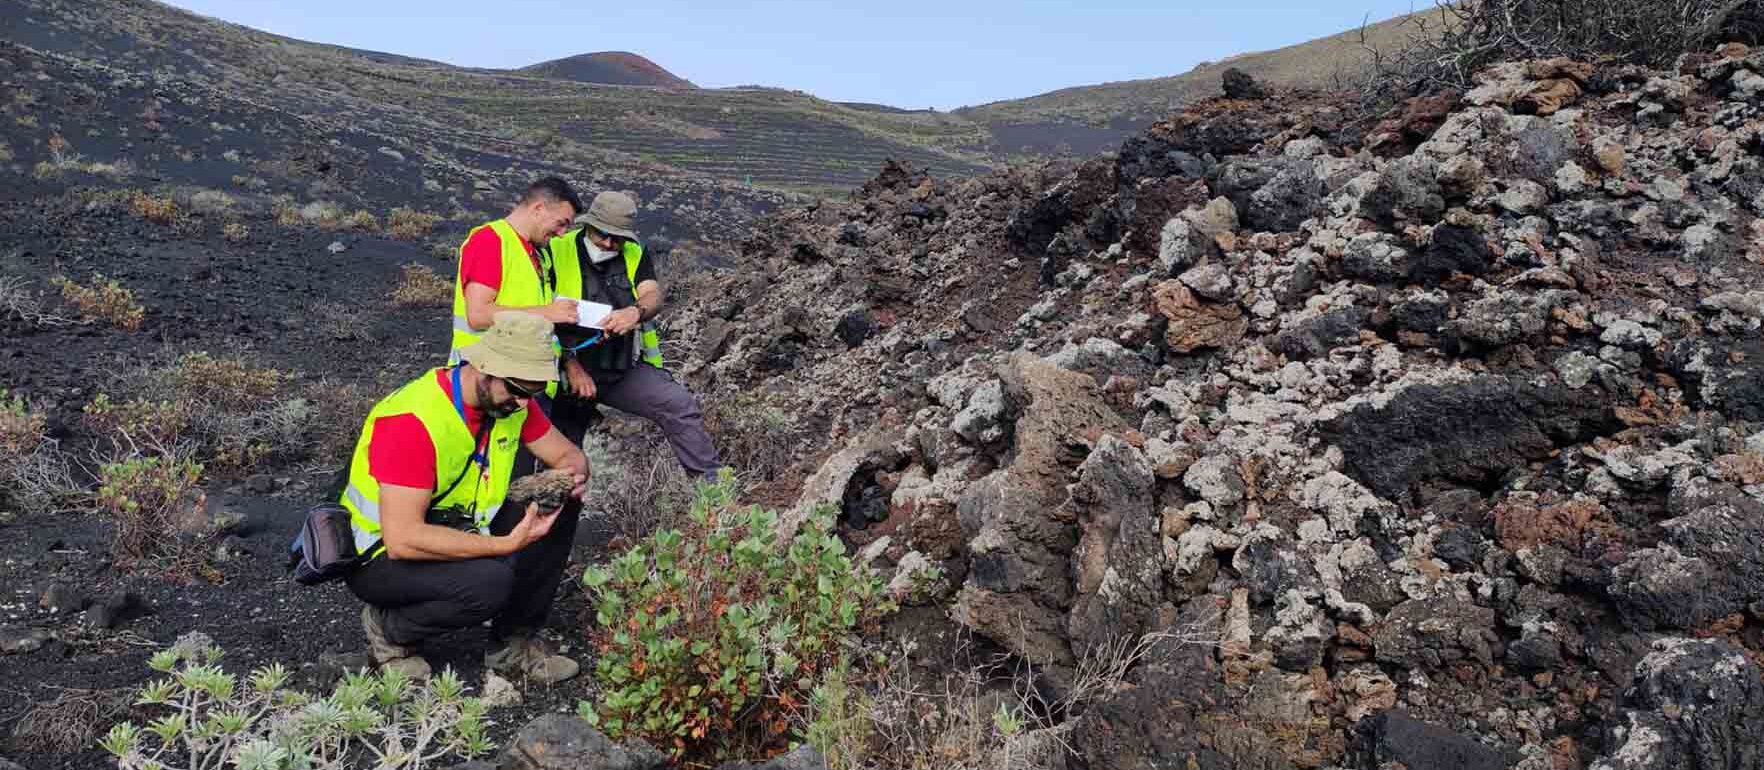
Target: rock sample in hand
<point>550,490</point>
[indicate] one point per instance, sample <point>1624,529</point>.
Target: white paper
<point>591,314</point>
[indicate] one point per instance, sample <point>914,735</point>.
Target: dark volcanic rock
<point>854,328</point>
<point>1395,739</point>
<point>1454,249</point>
<point>110,609</point>
<point>62,598</point>
<point>1709,566</point>
<point>550,489</point>
<point>1459,547</point>
<point>1288,198</point>
<point>18,639</point>
<point>1472,432</point>
<point>560,742</point>
<point>1317,336</point>
<point>1406,190</point>
<point>1435,632</point>
<point>1165,718</point>
<point>1239,85</point>
<point>1724,376</point>
<point>1073,199</point>
<point>1695,705</point>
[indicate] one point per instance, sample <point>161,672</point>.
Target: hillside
<point>582,112</point>
<point>613,68</point>
<point>772,139</point>
<point>1089,119</point>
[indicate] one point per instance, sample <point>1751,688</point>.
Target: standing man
<point>425,496</point>
<point>621,365</point>
<point>499,267</point>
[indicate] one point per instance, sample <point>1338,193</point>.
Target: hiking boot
<point>529,656</point>
<point>386,654</point>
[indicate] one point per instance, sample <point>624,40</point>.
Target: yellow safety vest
<point>454,450</point>
<point>521,285</point>
<point>566,264</point>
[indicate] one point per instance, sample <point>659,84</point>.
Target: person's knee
<point>487,590</point>
<point>677,403</point>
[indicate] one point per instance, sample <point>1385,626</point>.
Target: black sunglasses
<point>617,240</point>
<point>520,391</point>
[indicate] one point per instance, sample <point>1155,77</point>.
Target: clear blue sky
<point>906,53</point>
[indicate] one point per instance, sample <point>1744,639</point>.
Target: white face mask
<point>597,254</point>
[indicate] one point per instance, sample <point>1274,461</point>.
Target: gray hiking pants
<point>654,395</point>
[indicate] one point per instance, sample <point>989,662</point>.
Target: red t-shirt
<point>401,452</point>
<point>480,261</point>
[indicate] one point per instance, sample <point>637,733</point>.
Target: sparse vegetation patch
<point>407,224</point>
<point>422,286</point>
<point>103,300</point>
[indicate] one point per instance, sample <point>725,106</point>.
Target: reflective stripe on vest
<point>428,402</point>
<point>521,285</point>
<point>566,263</point>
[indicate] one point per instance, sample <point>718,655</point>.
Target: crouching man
<point>425,495</point>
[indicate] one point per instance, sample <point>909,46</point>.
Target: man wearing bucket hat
<point>425,496</point>
<point>619,364</point>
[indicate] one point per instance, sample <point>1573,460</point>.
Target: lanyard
<point>459,406</point>
<point>592,339</point>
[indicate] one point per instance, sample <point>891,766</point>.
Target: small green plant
<point>1007,721</point>
<point>33,471</point>
<point>104,300</point>
<point>138,426</point>
<point>21,430</point>
<point>712,637</point>
<point>235,232</point>
<point>155,503</point>
<point>213,719</point>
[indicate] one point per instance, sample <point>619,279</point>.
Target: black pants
<point>646,392</point>
<point>428,598</point>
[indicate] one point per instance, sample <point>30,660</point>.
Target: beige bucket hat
<point>612,213</point>
<point>516,346</point>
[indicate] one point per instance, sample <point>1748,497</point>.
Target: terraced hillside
<point>746,137</point>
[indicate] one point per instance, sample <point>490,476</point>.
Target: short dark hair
<point>553,188</point>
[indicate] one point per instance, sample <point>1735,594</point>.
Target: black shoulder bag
<point>324,550</point>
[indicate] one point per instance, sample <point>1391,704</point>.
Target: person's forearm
<point>648,304</point>
<point>479,316</point>
<point>430,542</point>
<point>574,462</point>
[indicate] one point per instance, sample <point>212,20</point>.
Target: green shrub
<point>212,719</point>
<point>105,300</point>
<point>155,502</point>
<point>21,430</point>
<point>34,473</point>
<point>712,637</point>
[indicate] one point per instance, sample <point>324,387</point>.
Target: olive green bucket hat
<point>516,346</point>
<point>613,213</point>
